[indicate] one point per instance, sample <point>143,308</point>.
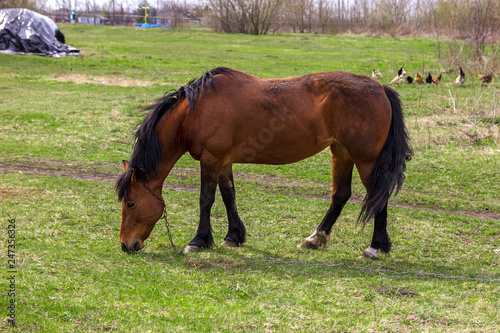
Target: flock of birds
<point>429,79</point>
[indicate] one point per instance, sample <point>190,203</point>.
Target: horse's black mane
<point>148,150</point>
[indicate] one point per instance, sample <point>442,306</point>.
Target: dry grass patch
<point>17,194</point>
<point>112,80</point>
<point>452,129</point>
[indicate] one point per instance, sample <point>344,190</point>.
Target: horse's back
<point>285,120</point>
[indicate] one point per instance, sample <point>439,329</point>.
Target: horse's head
<point>142,207</point>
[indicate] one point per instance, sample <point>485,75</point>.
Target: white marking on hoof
<point>316,240</point>
<point>370,253</point>
<point>192,248</point>
<point>229,243</point>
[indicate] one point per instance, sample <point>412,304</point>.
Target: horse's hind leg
<point>236,229</point>
<point>380,238</point>
<point>342,166</point>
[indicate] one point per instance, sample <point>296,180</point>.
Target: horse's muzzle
<point>135,246</point>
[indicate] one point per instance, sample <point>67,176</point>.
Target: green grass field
<point>67,123</point>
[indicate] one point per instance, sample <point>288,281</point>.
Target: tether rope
<point>164,216</point>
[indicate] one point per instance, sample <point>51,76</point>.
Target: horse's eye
<point>131,205</point>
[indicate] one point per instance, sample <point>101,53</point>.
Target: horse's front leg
<point>236,231</point>
<point>210,172</point>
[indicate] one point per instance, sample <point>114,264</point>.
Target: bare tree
<point>244,16</point>
<point>392,13</point>
<point>325,16</point>
<point>262,15</point>
<point>482,22</point>
<point>300,14</point>
<point>220,15</point>
<point>29,4</point>
<point>64,6</point>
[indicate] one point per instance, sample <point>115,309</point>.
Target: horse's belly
<point>267,147</point>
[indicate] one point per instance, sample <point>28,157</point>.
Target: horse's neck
<point>168,129</point>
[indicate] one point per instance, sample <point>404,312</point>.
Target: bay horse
<point>227,116</point>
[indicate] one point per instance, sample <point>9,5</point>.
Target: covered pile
<point>25,31</point>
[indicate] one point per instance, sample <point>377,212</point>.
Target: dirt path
<point>267,183</point>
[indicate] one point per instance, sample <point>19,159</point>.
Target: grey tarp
<point>25,31</point>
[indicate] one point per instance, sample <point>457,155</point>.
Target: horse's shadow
<point>248,258</point>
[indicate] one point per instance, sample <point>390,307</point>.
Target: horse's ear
<point>136,173</point>
<point>125,165</point>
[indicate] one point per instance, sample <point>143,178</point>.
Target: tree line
<point>474,20</point>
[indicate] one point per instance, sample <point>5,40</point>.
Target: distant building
<point>91,19</point>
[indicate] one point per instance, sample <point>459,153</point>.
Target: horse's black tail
<point>391,163</point>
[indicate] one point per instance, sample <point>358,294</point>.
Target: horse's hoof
<point>370,253</point>
<point>229,243</point>
<point>307,245</point>
<point>192,248</point>
<point>317,240</point>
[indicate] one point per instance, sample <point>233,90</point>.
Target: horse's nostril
<point>137,246</point>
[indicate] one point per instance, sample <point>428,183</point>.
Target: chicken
<point>400,78</point>
<point>485,79</point>
<point>418,78</point>
<point>461,78</point>
<point>428,79</point>
<point>409,79</point>
<point>437,79</point>
<point>376,74</point>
